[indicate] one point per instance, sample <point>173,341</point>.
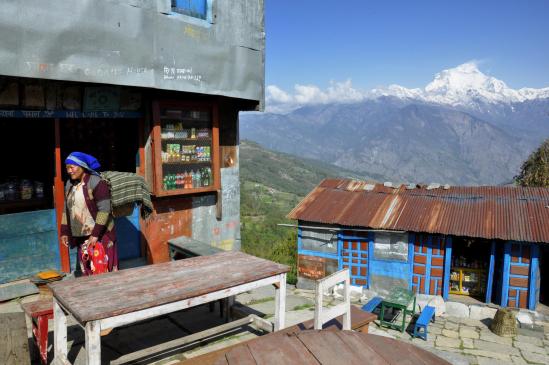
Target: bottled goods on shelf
<point>188,179</point>
<point>176,131</point>
<point>186,153</point>
<point>15,189</point>
<point>468,263</point>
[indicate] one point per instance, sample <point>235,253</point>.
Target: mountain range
<point>463,128</point>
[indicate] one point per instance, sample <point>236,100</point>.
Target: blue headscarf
<point>87,162</point>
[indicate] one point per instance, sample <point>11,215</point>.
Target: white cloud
<point>280,101</point>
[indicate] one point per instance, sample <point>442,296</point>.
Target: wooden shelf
<point>187,120</point>
<point>205,189</point>
<point>209,118</point>
<point>187,163</point>
<point>22,203</point>
<point>17,206</point>
<point>187,139</point>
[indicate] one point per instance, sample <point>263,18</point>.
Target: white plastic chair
<point>323,315</point>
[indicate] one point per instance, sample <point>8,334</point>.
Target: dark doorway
<point>28,165</point>
<point>114,142</point>
<point>544,275</point>
<point>470,267</point>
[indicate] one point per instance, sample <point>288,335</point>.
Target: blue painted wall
<point>28,244</point>
<point>384,273</point>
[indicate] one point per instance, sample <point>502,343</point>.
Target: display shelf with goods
<point>186,145</point>
<point>22,195</point>
<point>467,281</point>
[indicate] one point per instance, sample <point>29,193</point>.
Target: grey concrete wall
<point>137,43</point>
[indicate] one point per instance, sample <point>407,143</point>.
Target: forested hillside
<point>272,184</point>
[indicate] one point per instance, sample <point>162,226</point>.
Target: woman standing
<point>87,217</point>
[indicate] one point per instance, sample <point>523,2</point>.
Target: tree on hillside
<point>535,170</point>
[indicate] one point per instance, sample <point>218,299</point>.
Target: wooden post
<point>59,332</point>
<point>59,198</point>
<point>93,343</point>
<point>280,299</point>
<point>319,291</point>
<point>347,315</point>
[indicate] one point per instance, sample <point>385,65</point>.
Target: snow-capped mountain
<point>464,85</point>
<point>464,127</point>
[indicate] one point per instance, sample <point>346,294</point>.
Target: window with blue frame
<point>195,8</point>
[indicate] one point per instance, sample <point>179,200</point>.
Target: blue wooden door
<point>128,235</point>
<point>353,254</point>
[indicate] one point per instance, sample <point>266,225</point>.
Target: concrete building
<point>152,87</point>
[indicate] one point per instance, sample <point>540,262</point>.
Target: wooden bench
<point>359,322</point>
<point>186,247</point>
<point>427,315</point>
<point>37,315</point>
<point>372,304</point>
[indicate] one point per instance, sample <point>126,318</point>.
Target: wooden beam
<point>59,198</point>
<point>128,318</point>
<point>280,303</point>
<point>262,324</point>
<point>191,339</point>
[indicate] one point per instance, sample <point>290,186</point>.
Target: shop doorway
<point>115,143</point>
<point>470,270</point>
<point>28,165</point>
<point>28,230</point>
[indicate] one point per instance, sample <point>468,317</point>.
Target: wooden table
<point>123,297</point>
<point>398,298</point>
<point>326,347</point>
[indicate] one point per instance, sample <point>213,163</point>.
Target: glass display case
<point>186,148</point>
<point>467,281</point>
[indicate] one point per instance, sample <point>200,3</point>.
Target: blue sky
<point>376,43</point>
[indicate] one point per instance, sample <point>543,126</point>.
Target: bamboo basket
<point>504,323</point>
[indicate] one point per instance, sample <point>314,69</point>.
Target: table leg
<point>382,315</point>
<point>59,333</point>
<point>42,337</point>
<point>280,302</point>
<point>30,336</point>
<point>404,310</point>
<point>229,303</point>
<point>93,343</point>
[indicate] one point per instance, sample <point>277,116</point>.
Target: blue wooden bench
<point>427,315</point>
<point>372,304</point>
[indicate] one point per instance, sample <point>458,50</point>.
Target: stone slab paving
<point>462,341</point>
<point>470,341</point>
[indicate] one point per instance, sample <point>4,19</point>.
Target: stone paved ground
<point>459,340</point>
<point>470,341</point>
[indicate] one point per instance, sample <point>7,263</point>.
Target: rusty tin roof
<point>492,212</point>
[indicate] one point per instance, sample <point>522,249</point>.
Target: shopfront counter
<point>28,244</point>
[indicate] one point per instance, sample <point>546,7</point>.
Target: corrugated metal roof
<point>492,212</point>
